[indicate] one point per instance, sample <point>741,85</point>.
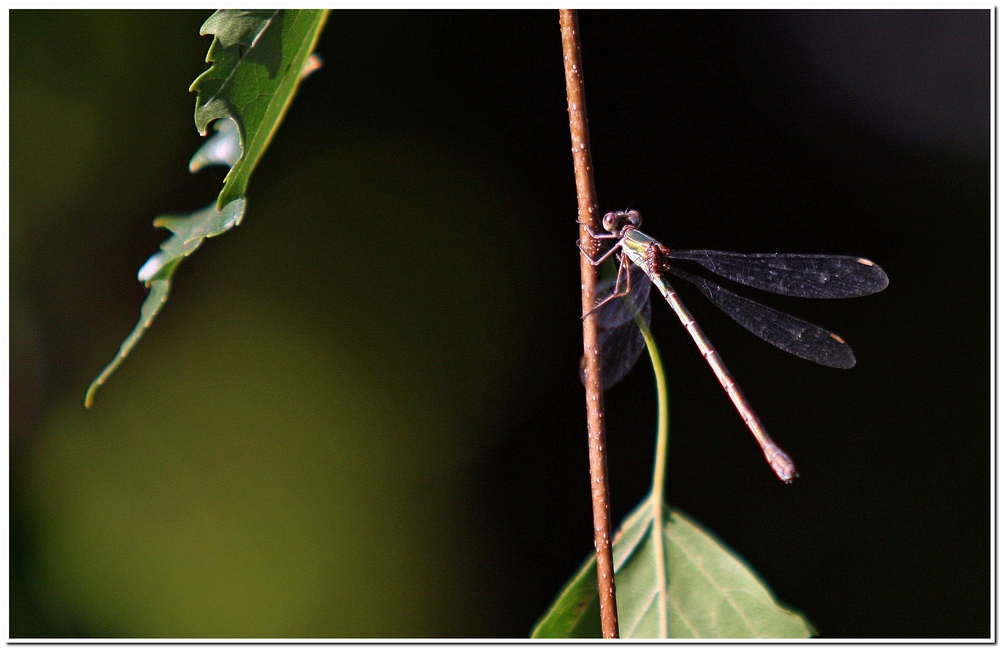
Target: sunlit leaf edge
<point>242,76</point>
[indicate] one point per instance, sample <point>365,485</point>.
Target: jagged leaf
<point>712,592</point>
<point>189,232</point>
<point>258,59</point>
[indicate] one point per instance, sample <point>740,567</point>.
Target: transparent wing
<point>620,338</point>
<point>819,276</point>
<point>798,337</point>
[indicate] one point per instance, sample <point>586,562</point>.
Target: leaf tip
<point>223,148</point>
<point>100,380</point>
<point>89,398</point>
<point>149,269</point>
<point>313,63</point>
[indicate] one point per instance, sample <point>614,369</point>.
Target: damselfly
<point>799,275</point>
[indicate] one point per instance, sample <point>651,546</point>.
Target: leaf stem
<point>658,494</point>
<point>587,210</point>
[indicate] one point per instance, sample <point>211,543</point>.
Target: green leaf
<point>712,592</point>
<point>189,232</point>
<point>258,59</point>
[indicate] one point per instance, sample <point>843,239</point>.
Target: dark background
<point>407,271</point>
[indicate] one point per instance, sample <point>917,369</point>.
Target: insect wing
<point>616,312</point>
<point>790,334</point>
<point>620,339</point>
<point>821,276</point>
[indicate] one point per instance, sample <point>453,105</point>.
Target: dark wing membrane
<point>788,333</point>
<point>823,276</point>
<point>620,338</point>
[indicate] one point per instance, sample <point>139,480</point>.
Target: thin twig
<point>587,208</point>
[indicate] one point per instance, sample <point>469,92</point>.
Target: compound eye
<point>610,221</point>
<point>633,217</point>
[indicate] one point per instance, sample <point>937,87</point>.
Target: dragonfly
<point>821,276</point>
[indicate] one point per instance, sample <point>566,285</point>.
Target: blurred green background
<point>359,413</point>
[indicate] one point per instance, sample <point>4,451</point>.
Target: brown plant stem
<point>587,210</point>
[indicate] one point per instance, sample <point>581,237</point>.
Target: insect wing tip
<point>877,281</point>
